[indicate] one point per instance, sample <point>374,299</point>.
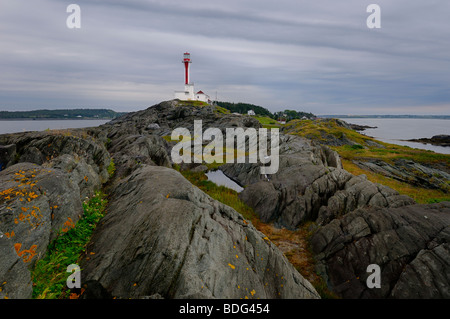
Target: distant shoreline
<point>428,117</point>
<point>59,115</point>
<point>56,119</point>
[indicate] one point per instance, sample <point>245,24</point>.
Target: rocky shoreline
<point>439,140</point>
<point>162,237</point>
<point>358,127</point>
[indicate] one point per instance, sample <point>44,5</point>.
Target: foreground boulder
<point>131,151</point>
<point>162,236</point>
<point>410,244</point>
<point>36,203</point>
<point>43,178</point>
<point>84,159</point>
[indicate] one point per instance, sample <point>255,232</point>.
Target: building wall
<point>187,94</point>
<point>202,97</point>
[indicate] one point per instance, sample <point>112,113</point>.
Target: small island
<point>439,140</point>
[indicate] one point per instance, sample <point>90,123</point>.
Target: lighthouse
<point>187,61</point>
<point>188,93</point>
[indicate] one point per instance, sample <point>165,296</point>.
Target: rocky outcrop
<point>45,177</point>
<point>36,203</point>
<point>328,131</point>
<point>170,239</point>
<point>163,236</point>
<point>163,118</point>
<point>73,151</point>
<point>131,151</point>
<point>358,127</point>
<point>309,185</point>
<point>410,172</point>
<point>409,243</point>
<point>7,155</point>
<point>440,140</point>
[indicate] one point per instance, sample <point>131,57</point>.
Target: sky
<point>314,56</point>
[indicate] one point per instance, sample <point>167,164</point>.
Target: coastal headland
<point>111,200</point>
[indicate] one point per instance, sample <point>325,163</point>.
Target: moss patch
<point>419,194</point>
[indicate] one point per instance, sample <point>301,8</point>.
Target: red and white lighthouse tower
<point>187,61</point>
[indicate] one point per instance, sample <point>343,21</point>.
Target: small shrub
<point>357,147</point>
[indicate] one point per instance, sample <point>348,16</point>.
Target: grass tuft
<point>111,168</point>
<point>419,194</point>
<point>49,273</point>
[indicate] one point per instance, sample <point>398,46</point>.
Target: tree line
<point>61,114</point>
<point>243,108</point>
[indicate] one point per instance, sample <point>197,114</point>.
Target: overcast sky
<point>316,56</point>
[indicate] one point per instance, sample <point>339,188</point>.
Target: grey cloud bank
<point>316,56</point>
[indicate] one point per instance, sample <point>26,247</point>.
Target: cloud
<point>316,56</point>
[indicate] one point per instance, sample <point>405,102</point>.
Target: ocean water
<point>17,126</point>
<point>394,131</point>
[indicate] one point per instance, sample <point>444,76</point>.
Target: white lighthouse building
<point>188,93</point>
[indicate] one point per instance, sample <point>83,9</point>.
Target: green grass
<point>192,103</point>
<point>419,194</point>
<point>222,110</point>
<point>365,147</point>
<point>168,138</point>
<point>49,273</point>
<point>390,152</point>
<point>267,122</point>
<point>323,129</point>
<point>111,168</point>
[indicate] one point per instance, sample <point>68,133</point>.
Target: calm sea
<point>41,125</point>
<point>395,130</point>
